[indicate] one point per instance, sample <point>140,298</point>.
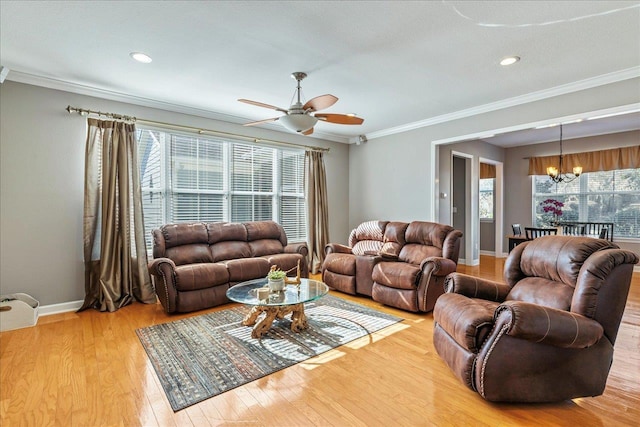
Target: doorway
<point>462,206</point>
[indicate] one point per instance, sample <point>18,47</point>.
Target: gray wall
<point>42,173</point>
<point>392,177</point>
<point>518,200</point>
<point>396,177</point>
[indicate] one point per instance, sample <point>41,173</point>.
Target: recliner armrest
<point>547,325</point>
<point>297,248</point>
<point>336,248</point>
<point>475,287</point>
<point>438,266</point>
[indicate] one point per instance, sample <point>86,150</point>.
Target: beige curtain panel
<point>591,161</point>
<point>115,256</point>
<point>487,171</point>
<point>317,208</point>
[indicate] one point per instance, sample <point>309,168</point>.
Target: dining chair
<point>533,232</point>
<point>573,230</point>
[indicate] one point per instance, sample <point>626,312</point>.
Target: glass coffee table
<point>276,304</point>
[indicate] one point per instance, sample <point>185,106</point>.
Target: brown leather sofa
<point>399,264</point>
<point>195,263</point>
<point>546,334</point>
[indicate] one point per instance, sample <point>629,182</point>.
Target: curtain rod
<point>201,131</point>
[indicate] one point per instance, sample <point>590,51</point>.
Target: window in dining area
<point>603,196</point>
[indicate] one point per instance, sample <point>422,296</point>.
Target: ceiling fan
<point>302,118</point>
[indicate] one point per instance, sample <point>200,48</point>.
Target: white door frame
<point>498,218</point>
<point>471,215</point>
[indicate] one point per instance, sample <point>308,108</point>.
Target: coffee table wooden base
<point>260,327</point>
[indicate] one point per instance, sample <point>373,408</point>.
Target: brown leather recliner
<point>399,264</point>
<point>545,335</point>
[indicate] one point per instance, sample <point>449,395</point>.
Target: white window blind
<point>609,196</point>
<point>186,179</point>
<point>197,180</point>
<point>252,176</point>
<point>292,203</point>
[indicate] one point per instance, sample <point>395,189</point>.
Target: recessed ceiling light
<point>509,60</point>
<point>141,57</point>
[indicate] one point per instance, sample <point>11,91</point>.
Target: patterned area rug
<point>200,357</point>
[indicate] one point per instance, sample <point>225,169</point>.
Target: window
<point>187,179</point>
<point>609,196</point>
<point>486,198</point>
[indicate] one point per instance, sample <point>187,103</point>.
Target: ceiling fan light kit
<point>302,118</point>
<point>298,122</point>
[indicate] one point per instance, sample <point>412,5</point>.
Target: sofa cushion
<point>223,251</point>
<point>393,239</point>
<point>192,277</point>
<point>257,230</point>
<point>541,291</point>
<point>340,282</point>
<point>340,263</point>
<point>247,269</point>
<point>184,234</point>
<point>265,247</point>
<point>226,231</point>
<point>189,254</point>
<point>559,259</point>
<point>427,233</point>
<point>368,230</point>
<point>415,253</point>
<point>367,237</point>
<point>399,275</point>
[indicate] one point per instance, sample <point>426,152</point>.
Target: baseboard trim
<point>489,253</point>
<point>63,307</point>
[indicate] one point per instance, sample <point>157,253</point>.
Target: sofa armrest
<point>157,265</point>
<point>336,248</point>
<point>163,272</point>
<point>438,266</point>
<point>475,287</point>
<point>297,248</point>
<point>547,325</point>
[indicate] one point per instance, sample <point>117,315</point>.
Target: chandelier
<point>556,174</point>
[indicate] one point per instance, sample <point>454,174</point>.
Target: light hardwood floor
<point>89,369</point>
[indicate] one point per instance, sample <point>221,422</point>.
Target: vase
<point>276,285</point>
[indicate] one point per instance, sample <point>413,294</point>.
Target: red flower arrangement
<point>552,207</point>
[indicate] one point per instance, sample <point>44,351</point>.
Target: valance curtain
<point>487,171</point>
<point>591,161</point>
<point>115,256</point>
<point>317,208</point>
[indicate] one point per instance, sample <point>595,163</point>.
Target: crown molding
<point>57,84</point>
<point>52,83</point>
<point>576,86</point>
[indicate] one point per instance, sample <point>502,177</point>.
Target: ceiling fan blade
<point>262,104</point>
<point>342,119</point>
<point>320,102</point>
<point>259,122</point>
<point>308,132</point>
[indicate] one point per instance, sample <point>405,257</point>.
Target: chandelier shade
<point>298,122</point>
<point>556,174</point>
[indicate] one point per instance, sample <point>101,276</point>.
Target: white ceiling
<point>394,63</point>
